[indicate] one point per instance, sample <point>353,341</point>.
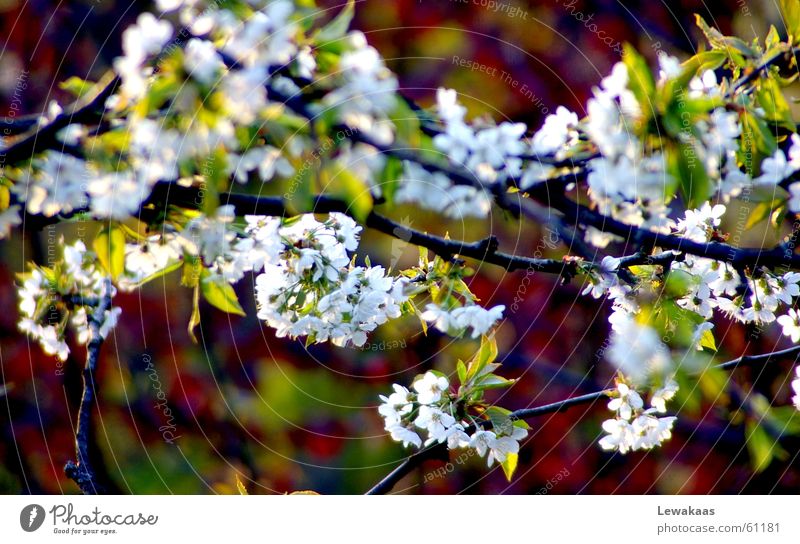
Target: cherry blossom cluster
<point>435,191</point>
<point>708,285</point>
<point>311,288</point>
<point>365,92</point>
<point>633,427</point>
<point>50,299</point>
<point>746,297</point>
<point>490,153</point>
<point>455,321</point>
<point>796,388</point>
<point>431,407</point>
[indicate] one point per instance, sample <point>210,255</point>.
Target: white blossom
<point>436,422</point>
<point>9,218</point>
<point>430,387</point>
<point>266,160</point>
<point>38,296</point>
<point>139,42</point>
<point>479,319</point>
<point>663,395</point>
<point>637,351</point>
<point>697,225</point>
<point>626,403</point>
<point>796,387</point>
<point>556,132</point>
<point>435,191</point>
<point>697,336</point>
<point>634,428</point>
<point>407,436</point>
<point>396,405</point>
<point>202,61</point>
<point>57,184</point>
<point>791,324</point>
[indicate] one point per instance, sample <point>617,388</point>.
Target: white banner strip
<point>400,519</point>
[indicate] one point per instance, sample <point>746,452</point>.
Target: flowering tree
<point>247,138</point>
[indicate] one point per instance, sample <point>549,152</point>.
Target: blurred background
<point>287,418</point>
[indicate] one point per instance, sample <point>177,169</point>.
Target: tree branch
<point>739,258</point>
<point>82,472</point>
<point>485,250</point>
<point>45,137</point>
<point>440,450</point>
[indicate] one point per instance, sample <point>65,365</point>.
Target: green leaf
<point>492,381</point>
<point>698,64</point>
<point>338,26</point>
<point>486,354</point>
<point>707,341</point>
<point>757,131</point>
<point>163,272</point>
<point>354,191</point>
<point>390,178</point>
<point>761,211</point>
<point>298,197</point>
<point>689,397</point>
<point>461,369</point>
<point>501,422</point>
<point>76,86</point>
<point>158,93</point>
<point>735,48</point>
<point>522,424</point>
<point>220,294</point>
<point>713,383</point>
<point>215,172</point>
<point>759,444</point>
<point>407,124</point>
<point>685,165</point>
<point>190,275</point>
<point>771,98</point>
<point>786,418</point>
<point>109,244</point>
<point>240,486</point>
<point>773,38</point>
<point>510,465</point>
<point>640,78</point>
<point>790,10</point>
<point>194,320</point>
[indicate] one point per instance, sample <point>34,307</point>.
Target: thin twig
<point>83,472</point>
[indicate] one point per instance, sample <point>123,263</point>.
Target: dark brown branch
<point>485,250</point>
<point>45,137</point>
<point>739,258</point>
<point>82,471</point>
<point>764,358</point>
